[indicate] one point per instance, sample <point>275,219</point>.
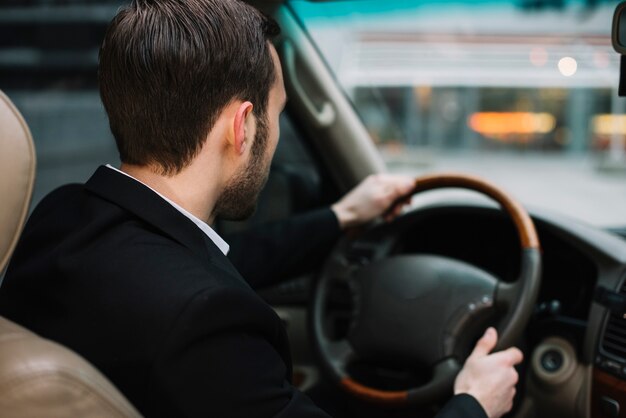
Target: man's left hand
<point>372,198</point>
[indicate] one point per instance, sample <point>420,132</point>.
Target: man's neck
<point>185,188</point>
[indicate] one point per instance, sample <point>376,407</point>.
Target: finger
<point>486,343</point>
<point>405,201</point>
<point>401,203</point>
<point>515,379</point>
<point>396,209</point>
<point>393,213</point>
<point>403,185</point>
<point>510,356</point>
<point>509,406</point>
<point>516,355</point>
<point>396,185</point>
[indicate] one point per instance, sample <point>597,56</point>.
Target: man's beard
<point>239,199</point>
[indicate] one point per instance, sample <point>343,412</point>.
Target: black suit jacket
<point>114,272</point>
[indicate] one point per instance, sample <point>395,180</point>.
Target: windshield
<point>523,93</point>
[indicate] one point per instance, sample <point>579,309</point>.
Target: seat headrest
<point>17,175</point>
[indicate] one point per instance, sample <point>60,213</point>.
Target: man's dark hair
<point>169,67</point>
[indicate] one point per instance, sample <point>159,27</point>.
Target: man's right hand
<point>490,378</point>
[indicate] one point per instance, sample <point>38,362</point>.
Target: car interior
<point>553,284</point>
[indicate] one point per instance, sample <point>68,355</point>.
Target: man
<point>126,270</point>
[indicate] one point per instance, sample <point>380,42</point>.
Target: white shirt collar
<point>214,236</point>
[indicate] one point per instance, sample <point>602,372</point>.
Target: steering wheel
<point>422,309</point>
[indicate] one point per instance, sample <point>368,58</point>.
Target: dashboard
<point>575,347</point>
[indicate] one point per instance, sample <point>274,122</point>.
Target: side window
<point>48,67</point>
<point>521,92</point>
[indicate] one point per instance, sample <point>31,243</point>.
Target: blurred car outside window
<point>523,93</point>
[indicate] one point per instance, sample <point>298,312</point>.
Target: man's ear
<point>244,111</point>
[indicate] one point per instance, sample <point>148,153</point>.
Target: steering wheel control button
<point>551,361</point>
<point>610,407</point>
<point>477,306</point>
<point>470,311</point>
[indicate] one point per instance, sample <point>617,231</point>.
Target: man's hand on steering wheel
<point>372,198</point>
<point>490,378</point>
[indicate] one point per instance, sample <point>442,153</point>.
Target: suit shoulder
<point>58,196</point>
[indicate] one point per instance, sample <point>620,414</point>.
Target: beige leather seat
<point>39,378</point>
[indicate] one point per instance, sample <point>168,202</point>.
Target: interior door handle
<point>323,117</point>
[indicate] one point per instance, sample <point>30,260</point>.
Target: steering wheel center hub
<point>410,306</point>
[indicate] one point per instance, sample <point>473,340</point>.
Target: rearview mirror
<point>618,33</point>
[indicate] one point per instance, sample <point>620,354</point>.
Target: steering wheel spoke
<point>444,374</point>
<point>506,295</point>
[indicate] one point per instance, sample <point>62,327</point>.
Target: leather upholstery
<point>39,378</point>
<point>17,175</point>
